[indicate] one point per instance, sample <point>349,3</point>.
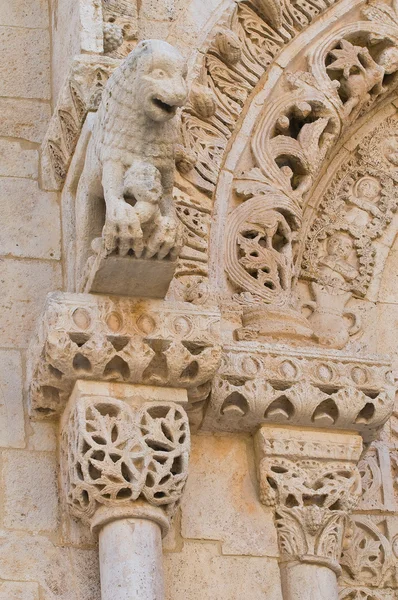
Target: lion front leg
<point>122,230</point>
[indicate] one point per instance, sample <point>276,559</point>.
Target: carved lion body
<point>134,133</point>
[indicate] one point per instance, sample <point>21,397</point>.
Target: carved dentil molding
<point>125,457</point>
<point>148,342</point>
<point>313,482</point>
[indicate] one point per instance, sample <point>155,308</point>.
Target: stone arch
<point>268,130</point>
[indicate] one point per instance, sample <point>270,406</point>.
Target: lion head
<point>159,72</point>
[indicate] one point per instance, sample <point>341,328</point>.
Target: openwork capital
<point>312,480</point>
<point>123,458</point>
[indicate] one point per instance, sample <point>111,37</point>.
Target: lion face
<point>162,88</point>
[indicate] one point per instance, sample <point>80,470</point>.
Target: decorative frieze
<point>123,340</point>
<point>260,383</point>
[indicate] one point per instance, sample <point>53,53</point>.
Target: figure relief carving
<point>113,454</point>
<point>339,253</point>
<point>129,167</point>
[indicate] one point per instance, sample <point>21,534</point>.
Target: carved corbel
<point>123,229</point>
<point>312,481</point>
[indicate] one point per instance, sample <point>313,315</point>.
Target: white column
<point>131,563</point>
<point>304,581</point>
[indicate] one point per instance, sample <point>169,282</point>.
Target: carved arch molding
<point>299,208</point>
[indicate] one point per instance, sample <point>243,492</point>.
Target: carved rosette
<point>312,481</point>
<point>118,457</point>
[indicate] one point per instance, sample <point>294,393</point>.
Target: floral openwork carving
<point>113,454</point>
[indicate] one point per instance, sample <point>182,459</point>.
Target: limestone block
<point>30,224</point>
<point>25,119</point>
<point>221,501</point>
<point>43,436</point>
<point>31,499</point>
<point>25,284</point>
<point>16,590</point>
<point>140,277</point>
<point>86,569</point>
<point>11,407</point>
<point>388,291</point>
<point>200,572</point>
<point>158,11</point>
<point>34,558</point>
<point>18,159</point>
<point>25,65</point>
<point>24,13</point>
<point>387,323</point>
<point>76,28</point>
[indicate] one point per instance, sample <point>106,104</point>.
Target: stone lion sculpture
<point>124,201</point>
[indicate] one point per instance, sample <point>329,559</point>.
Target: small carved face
<point>368,188</point>
<point>339,245</point>
<point>162,87</point>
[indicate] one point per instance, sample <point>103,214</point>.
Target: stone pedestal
<point>129,276</point>
<point>312,480</point>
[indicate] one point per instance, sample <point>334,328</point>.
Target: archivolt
<point>275,102</point>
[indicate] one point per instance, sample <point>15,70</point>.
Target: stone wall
<point>223,543</point>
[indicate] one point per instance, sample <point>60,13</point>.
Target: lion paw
<point>167,239</point>
<point>122,230</point>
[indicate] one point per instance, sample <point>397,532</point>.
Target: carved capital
<point>124,452</point>
<point>312,480</point>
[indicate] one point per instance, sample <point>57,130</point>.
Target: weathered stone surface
<point>35,558</point>
<point>199,571</point>
<point>25,284</point>
<point>25,119</point>
<point>86,568</point>
<point>31,498</point>
<point>16,590</point>
<point>18,159</point>
<point>11,407</point>
<point>43,436</point>
<point>24,13</point>
<point>25,65</point>
<point>28,212</point>
<point>235,517</point>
